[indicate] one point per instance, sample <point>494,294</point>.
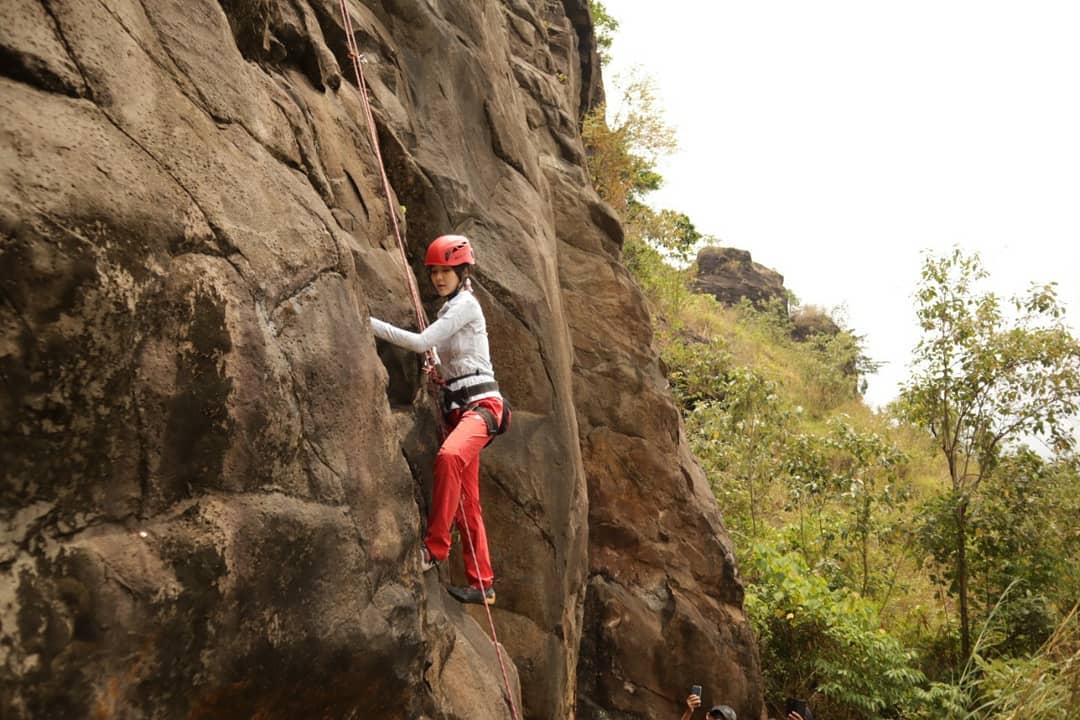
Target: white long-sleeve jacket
<point>459,336</point>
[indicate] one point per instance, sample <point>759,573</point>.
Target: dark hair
<point>462,270</point>
<point>721,712</point>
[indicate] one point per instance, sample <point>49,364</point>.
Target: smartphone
<point>695,690</point>
<point>792,705</point>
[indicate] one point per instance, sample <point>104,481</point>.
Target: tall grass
<point>1045,686</point>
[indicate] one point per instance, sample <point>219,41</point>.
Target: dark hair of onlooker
<point>721,712</point>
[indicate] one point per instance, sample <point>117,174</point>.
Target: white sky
<point>836,140</point>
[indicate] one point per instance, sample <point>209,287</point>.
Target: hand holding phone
<point>793,705</point>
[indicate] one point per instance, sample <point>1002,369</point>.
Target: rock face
<point>810,320</point>
<point>212,480</point>
<point>730,275</point>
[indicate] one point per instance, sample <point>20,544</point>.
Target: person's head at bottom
<point>721,712</point>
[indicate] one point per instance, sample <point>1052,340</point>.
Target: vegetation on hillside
<point>918,562</point>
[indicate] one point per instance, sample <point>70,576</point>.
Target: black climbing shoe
<point>470,594</point>
<point>426,561</point>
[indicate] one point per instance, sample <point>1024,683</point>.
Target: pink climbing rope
<point>431,362</point>
<point>421,318</point>
<point>487,608</point>
<point>354,54</point>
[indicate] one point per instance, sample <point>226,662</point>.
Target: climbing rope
<point>487,608</point>
<point>431,361</point>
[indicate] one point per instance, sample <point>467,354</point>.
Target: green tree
<point>868,475</point>
<point>669,231</point>
<point>605,27</point>
<point>807,466</point>
<point>825,642</point>
<point>1024,548</point>
<point>848,482</point>
<point>735,423</point>
<point>738,438</point>
<point>667,238</point>
<point>983,378</point>
<point>622,153</point>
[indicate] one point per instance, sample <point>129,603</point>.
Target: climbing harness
<point>462,396</point>
<point>430,358</point>
<point>495,425</point>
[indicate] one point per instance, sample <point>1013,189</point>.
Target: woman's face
<point>444,279</point>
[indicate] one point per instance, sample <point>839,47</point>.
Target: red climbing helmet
<point>449,250</point>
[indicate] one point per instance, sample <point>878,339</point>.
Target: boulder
<point>810,320</point>
<point>729,275</point>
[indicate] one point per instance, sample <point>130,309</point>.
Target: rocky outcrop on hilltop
<point>212,479</point>
<point>729,275</point>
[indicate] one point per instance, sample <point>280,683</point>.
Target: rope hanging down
<point>421,318</point>
<point>491,621</point>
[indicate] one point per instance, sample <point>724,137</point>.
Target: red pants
<point>457,477</point>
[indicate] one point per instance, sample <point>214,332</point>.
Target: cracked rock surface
<point>212,480</point>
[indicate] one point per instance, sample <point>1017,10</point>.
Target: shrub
<point>825,644</point>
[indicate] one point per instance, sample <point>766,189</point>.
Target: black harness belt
<point>462,396</point>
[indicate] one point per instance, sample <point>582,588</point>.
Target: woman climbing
<point>472,412</point>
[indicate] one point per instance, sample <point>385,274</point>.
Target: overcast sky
<point>837,140</point>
